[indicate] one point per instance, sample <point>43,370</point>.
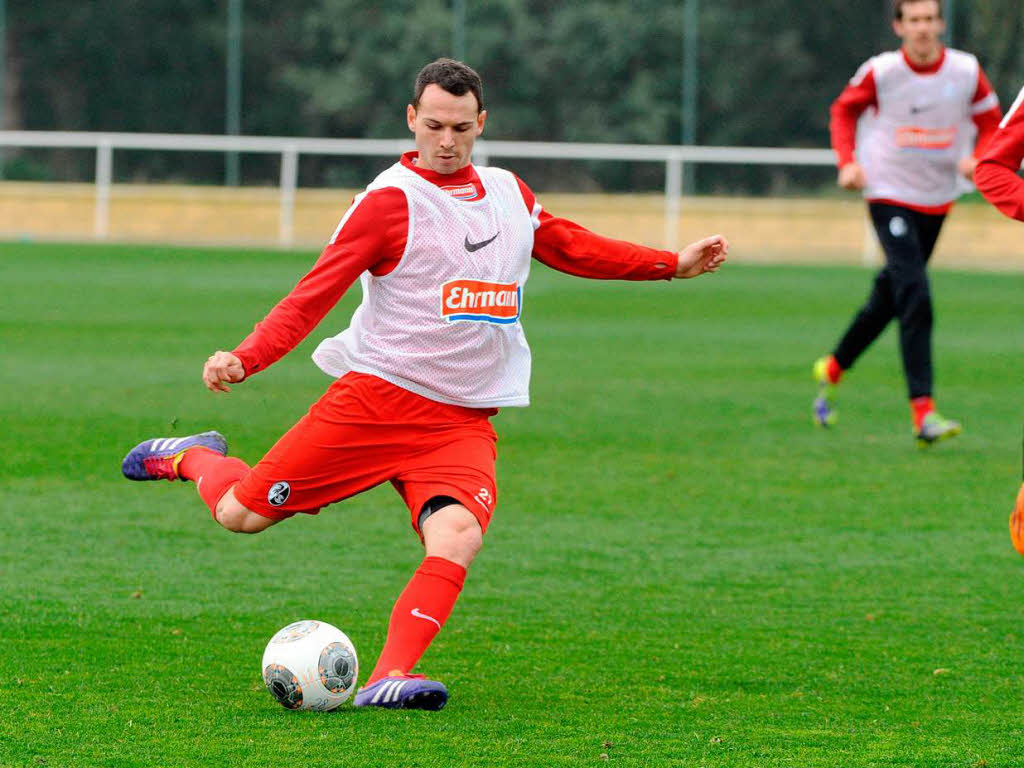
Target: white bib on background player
<point>445,322</point>
<point>910,148</point>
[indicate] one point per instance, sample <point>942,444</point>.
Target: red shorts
<point>364,431</point>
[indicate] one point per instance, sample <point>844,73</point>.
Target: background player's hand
<point>221,369</point>
<point>966,167</point>
<point>703,256</point>
<point>851,176</point>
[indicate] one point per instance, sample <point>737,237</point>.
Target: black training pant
<point>901,291</point>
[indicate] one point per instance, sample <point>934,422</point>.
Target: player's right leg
<point>235,516</point>
<point>158,458</point>
<point>826,373</point>
<point>866,326</point>
<point>203,459</point>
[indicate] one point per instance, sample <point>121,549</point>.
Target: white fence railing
<point>674,157</point>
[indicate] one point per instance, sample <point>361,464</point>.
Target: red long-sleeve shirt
<point>862,93</point>
<point>372,237</point>
<point>996,175</point>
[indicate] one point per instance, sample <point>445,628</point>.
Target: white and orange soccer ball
<point>310,665</point>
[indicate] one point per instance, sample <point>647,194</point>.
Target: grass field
<point>681,571</point>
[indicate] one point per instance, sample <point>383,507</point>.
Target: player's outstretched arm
<point>222,368</point>
<point>705,255</point>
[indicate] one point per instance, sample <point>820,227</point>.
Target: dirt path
<point>762,230</point>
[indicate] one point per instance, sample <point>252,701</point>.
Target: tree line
<point>600,71</point>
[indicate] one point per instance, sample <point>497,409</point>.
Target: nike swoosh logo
<point>918,110</point>
<point>416,611</point>
<point>477,246</point>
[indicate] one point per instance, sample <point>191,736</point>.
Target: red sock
<point>921,407</point>
<point>832,370</point>
<point>214,475</point>
<point>418,615</point>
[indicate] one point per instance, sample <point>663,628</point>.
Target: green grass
<point>681,570</point>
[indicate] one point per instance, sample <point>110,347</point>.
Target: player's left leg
<point>909,248</point>
<point>452,537</point>
<point>451,493</point>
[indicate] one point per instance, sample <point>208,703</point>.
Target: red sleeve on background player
<point>985,111</point>
<point>996,175</point>
<point>570,248</point>
<point>859,94</point>
<point>372,236</point>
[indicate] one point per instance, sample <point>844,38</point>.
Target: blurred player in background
<point>998,180</point>
<point>913,153</point>
<point>443,252</point>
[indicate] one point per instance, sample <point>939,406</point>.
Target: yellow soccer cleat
<point>936,428</point>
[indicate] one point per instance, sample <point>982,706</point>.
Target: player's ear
<point>480,120</point>
<point>410,117</point>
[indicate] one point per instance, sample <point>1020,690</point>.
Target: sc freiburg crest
<point>279,493</point>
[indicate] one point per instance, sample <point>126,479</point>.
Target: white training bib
<point>923,127</point>
<point>445,322</point>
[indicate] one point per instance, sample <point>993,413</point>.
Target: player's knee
<point>462,539</point>
<point>917,305</point>
<point>453,533</point>
<point>471,538</point>
<point>236,518</point>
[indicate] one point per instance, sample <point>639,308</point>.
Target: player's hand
<point>703,256</point>
<point>851,176</point>
<point>221,369</point>
<point>966,167</point>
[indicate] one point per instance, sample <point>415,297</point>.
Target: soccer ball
<point>310,665</point>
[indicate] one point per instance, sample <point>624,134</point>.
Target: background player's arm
<point>859,94</point>
<point>986,115</point>
<point>372,237</point>
<point>996,175</point>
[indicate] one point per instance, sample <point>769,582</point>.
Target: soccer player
<point>442,249</point>
<point>998,180</point>
<point>927,101</point>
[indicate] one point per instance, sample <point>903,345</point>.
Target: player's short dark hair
<point>453,76</point>
<point>897,7</point>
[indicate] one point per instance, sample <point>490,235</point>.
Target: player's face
<point>445,126</point>
<point>920,28</point>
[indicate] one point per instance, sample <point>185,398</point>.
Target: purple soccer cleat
<point>824,408</point>
<point>404,692</point>
<point>824,413</point>
<point>157,458</point>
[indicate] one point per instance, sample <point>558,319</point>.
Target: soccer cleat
<point>824,412</point>
<point>935,428</point>
<point>157,458</point>
<point>1017,522</point>
<point>403,692</point>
